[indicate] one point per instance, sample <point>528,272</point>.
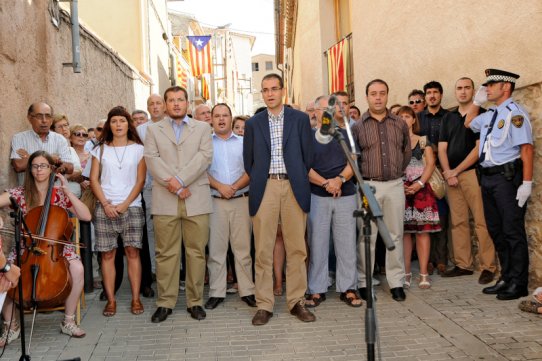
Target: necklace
<point>117,156</point>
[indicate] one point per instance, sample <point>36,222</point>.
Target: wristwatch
<point>6,268</point>
<point>342,178</point>
<point>422,184</point>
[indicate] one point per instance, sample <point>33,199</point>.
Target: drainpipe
<point>76,46</point>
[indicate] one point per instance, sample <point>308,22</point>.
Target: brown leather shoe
<point>302,313</point>
<point>456,272</point>
<point>137,307</point>
<point>261,317</point>
<point>486,277</point>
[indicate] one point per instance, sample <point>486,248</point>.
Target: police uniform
<point>503,129</point>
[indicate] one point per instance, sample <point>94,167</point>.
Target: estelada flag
<point>337,59</point>
<point>199,48</point>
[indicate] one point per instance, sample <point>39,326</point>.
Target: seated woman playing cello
<point>31,195</point>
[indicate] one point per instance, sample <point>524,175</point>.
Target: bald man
<point>156,107</point>
<point>203,114</point>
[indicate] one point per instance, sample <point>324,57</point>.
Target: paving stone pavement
<point>451,321</point>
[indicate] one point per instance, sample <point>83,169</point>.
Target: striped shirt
<point>31,142</point>
<point>384,146</point>
<point>276,129</point>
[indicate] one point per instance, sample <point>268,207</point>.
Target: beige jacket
<point>188,160</point>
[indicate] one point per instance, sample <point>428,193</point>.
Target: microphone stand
<point>18,218</point>
<point>369,211</point>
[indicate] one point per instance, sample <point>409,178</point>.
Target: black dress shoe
<point>160,314</point>
<point>456,271</point>
<point>197,313</point>
<point>147,292</point>
<point>261,317</point>
<point>398,294</point>
<point>512,292</point>
<point>363,293</point>
<point>212,302</point>
<point>496,288</point>
<point>249,300</point>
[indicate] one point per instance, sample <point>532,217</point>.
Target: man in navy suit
<point>277,156</point>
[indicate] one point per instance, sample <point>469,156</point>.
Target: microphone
<point>14,203</point>
<point>324,134</point>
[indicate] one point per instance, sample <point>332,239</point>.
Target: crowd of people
<point>191,198</point>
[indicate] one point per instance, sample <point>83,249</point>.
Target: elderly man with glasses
<point>40,137</point>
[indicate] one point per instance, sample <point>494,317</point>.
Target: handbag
<point>437,182</point>
<point>87,197</point>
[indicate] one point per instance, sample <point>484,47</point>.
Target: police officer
<point>506,168</point>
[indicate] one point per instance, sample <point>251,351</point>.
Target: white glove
<point>481,96</point>
<point>524,192</point>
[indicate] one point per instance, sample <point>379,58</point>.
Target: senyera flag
<point>337,58</point>
<point>199,48</point>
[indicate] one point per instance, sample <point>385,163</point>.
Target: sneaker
<point>71,329</point>
<point>182,285</point>
<point>9,334</point>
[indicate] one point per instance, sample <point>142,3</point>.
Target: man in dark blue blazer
<point>277,156</point>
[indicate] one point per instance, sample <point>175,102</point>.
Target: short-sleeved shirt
<point>328,160</point>
<point>31,142</point>
<point>511,129</point>
<point>58,198</point>
<point>119,171</point>
<point>430,124</point>
<point>461,140</point>
<point>227,165</point>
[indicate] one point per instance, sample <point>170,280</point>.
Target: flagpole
<point>213,64</point>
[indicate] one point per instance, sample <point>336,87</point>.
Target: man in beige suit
<point>178,151</point>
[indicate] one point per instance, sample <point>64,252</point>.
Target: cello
<point>44,269</point>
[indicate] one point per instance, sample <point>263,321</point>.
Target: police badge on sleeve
<point>517,120</point>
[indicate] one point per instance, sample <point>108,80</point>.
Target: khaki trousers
<point>468,196</point>
<point>230,224</point>
<point>279,203</point>
<point>390,195</point>
<point>170,232</point>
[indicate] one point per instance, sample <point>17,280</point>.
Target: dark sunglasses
<point>81,134</point>
<point>99,129</point>
<point>417,101</point>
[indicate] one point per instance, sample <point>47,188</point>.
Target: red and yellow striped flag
<point>182,74</point>
<point>337,58</point>
<point>199,48</point>
<point>204,88</point>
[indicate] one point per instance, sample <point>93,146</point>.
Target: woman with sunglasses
<point>117,176</point>
<point>78,138</point>
<point>61,126</point>
<point>31,195</point>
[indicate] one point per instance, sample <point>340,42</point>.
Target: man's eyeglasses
<point>41,166</point>
<point>270,90</point>
<point>41,116</point>
<point>81,134</point>
<point>99,129</point>
<point>417,101</point>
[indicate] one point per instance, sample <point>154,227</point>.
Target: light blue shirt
<point>227,165</point>
<point>142,132</point>
<point>511,129</point>
<point>178,127</point>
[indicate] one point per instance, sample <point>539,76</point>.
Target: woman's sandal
<point>531,306</point>
<point>425,282</point>
<point>408,279</point>
<point>351,301</point>
<point>314,300</point>
<point>110,309</point>
<point>137,307</point>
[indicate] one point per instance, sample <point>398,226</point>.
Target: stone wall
<point>32,51</point>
